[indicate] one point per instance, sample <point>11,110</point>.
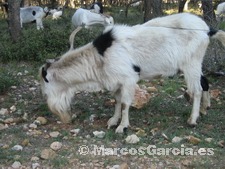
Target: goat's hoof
<point>191,122</point>
<point>112,122</point>
<point>120,129</point>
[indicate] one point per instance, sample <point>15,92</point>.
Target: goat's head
<point>109,20</point>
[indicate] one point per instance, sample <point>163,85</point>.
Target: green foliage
<point>6,80</point>
<point>38,45</point>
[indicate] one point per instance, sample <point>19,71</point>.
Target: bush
<point>6,81</point>
<point>50,42</point>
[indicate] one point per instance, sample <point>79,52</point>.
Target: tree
<point>181,5</point>
<point>208,12</point>
<point>153,8</point>
<point>14,19</point>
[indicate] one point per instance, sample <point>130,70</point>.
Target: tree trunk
<point>14,19</point>
<point>147,6</point>
<point>208,12</point>
<point>153,8</point>
<point>181,5</point>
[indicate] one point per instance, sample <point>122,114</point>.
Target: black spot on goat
<point>103,42</point>
<point>137,69</point>
<point>34,13</point>
<point>204,83</point>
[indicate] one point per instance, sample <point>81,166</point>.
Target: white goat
<point>33,13</point>
<point>97,7</point>
<point>123,55</point>
<point>86,18</point>
<point>56,14</point>
<point>220,11</point>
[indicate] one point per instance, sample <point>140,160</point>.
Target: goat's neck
<point>85,66</point>
<point>97,19</point>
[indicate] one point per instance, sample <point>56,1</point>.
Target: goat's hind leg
<point>205,102</point>
<point>192,77</point>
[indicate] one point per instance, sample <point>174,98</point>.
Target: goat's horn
<point>73,35</point>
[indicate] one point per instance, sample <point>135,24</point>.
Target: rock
<point>32,88</point>
<point>115,167</point>
<point>177,139</point>
<point>75,131</point>
<point>99,134</point>
<point>132,139</point>
<point>13,108</point>
<point>2,126</point>
<point>124,166</point>
<point>92,117</point>
<point>221,143</point>
<point>56,145</point>
<point>34,158</point>
<point>42,120</point>
<point>154,131</point>
<point>152,89</point>
<point>4,111</point>
<point>25,142</point>
<point>141,97</point>
<point>35,165</point>
<point>8,120</point>
<point>48,154</point>
<point>209,140</point>
<point>141,133</point>
<point>193,140</point>
<point>33,126</point>
<point>16,164</point>
<point>17,148</point>
<point>13,87</point>
<point>54,134</point>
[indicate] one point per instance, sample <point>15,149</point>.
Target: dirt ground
<point>26,141</point>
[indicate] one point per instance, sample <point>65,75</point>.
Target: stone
<point>132,139</point>
<point>177,139</point>
<point>54,134</point>
<point>16,164</point>
<point>193,140</point>
<point>4,111</point>
<point>56,145</point>
<point>42,120</point>
<point>99,134</point>
<point>35,165</point>
<point>17,148</point>
<point>48,154</point>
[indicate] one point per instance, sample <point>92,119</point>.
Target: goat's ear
<point>46,9</point>
<point>50,61</point>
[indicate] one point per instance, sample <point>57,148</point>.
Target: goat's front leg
<point>127,95</point>
<point>117,114</point>
<point>125,119</point>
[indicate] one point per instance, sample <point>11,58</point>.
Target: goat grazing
<point>97,7</point>
<point>56,14</point>
<point>33,13</point>
<point>123,55</point>
<point>86,18</point>
<point>220,11</point>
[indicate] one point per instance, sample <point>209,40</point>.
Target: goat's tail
<point>217,34</point>
<point>71,39</point>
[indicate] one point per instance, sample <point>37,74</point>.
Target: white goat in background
<point>86,18</point>
<point>220,11</point>
<point>56,14</point>
<point>123,55</point>
<point>33,13</point>
<point>97,7</point>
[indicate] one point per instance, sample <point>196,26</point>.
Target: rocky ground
<point>31,137</point>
